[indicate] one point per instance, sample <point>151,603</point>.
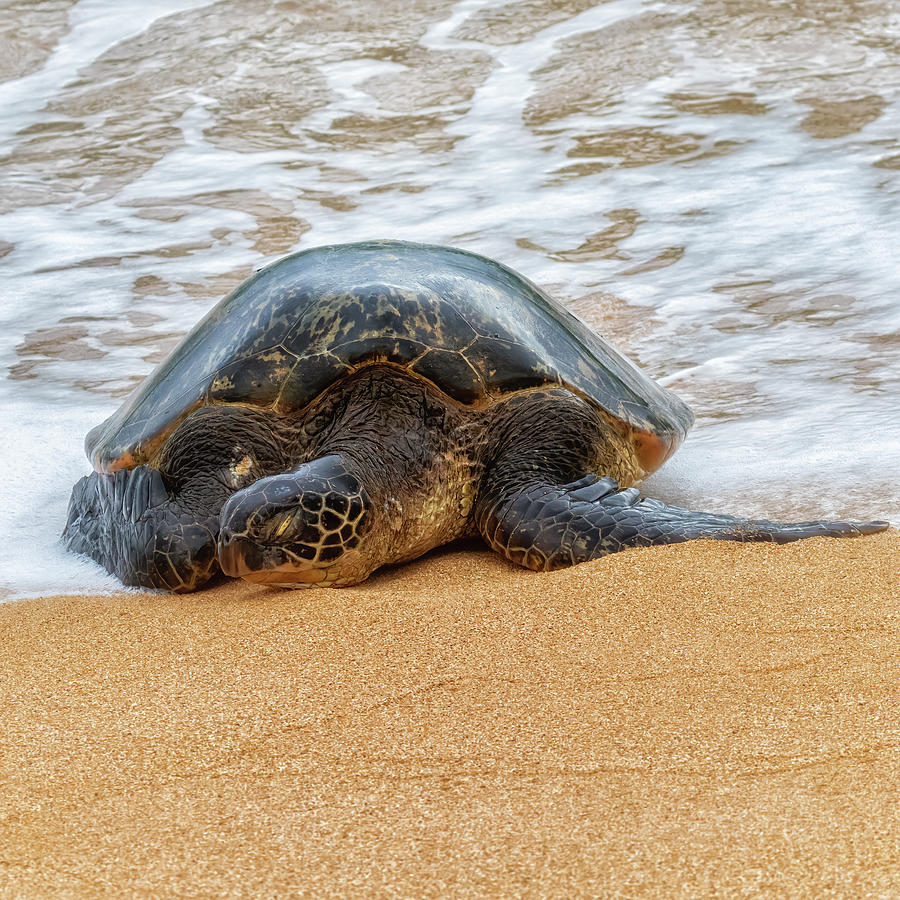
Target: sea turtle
<point>359,404</point>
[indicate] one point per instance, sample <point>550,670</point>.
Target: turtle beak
<point>242,558</point>
<point>231,557</point>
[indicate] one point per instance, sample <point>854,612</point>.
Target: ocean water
<point>711,185</point>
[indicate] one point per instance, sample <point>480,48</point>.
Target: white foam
<point>43,458</point>
<point>94,27</point>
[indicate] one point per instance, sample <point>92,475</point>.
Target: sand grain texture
<point>708,719</point>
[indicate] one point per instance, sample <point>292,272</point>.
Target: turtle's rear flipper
<point>544,526</point>
<point>129,523</point>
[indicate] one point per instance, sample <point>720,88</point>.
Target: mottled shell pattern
<point>473,327</point>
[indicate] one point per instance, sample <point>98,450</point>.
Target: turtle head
<point>298,529</point>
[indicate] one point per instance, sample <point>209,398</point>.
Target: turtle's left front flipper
<point>546,526</point>
<point>130,524</point>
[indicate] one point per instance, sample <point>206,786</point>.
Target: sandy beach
<point>700,719</point>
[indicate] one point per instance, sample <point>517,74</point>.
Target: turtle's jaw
<point>281,568</point>
<point>240,558</point>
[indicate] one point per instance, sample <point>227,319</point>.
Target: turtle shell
<point>473,327</point>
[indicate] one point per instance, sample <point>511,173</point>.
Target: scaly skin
<point>545,527</point>
<point>157,525</point>
<point>129,523</point>
<point>543,505</point>
<point>381,469</point>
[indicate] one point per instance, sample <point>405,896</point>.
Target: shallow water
<point>712,185</point>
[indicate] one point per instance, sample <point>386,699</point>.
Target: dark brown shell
<point>472,326</point>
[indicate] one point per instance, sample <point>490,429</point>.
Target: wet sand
<point>707,719</point>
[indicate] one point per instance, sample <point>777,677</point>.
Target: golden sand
<point>708,718</point>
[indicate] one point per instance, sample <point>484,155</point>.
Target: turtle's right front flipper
<point>130,524</point>
<point>545,526</point>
